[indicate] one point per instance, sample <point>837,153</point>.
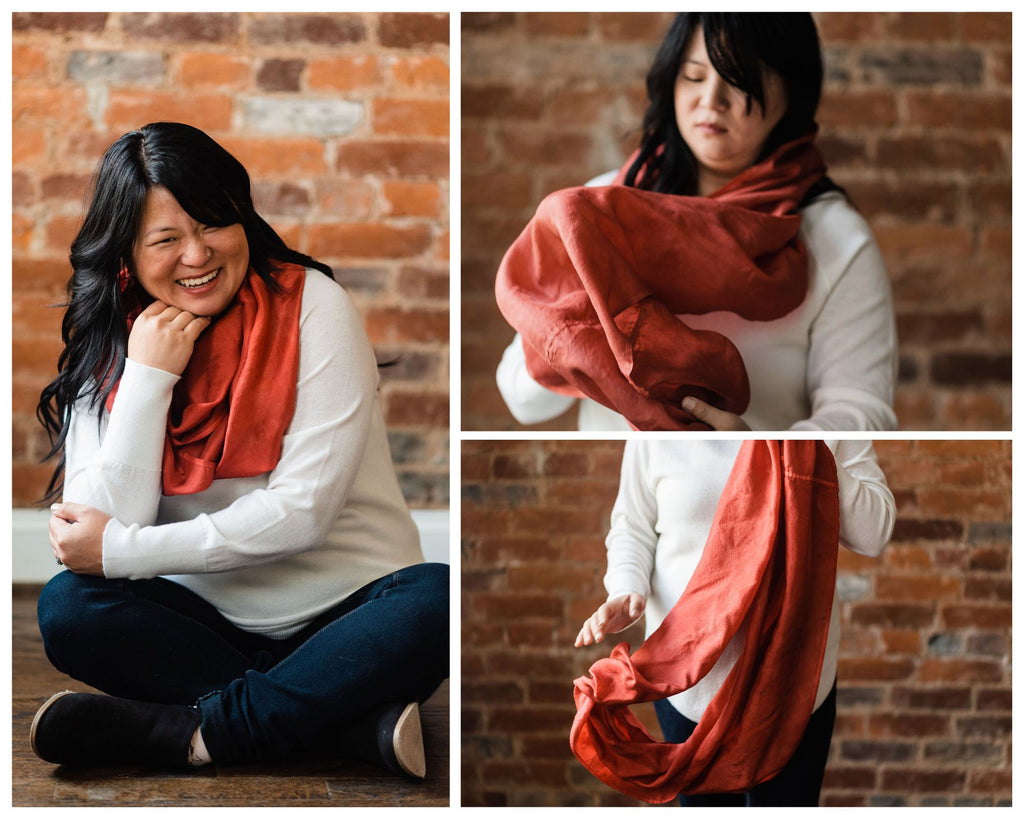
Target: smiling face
<point>713,119</point>
<point>177,260</point>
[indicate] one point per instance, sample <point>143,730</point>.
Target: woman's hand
<point>163,337</point>
<point>616,614</point>
<point>76,537</point>
<point>717,419</point>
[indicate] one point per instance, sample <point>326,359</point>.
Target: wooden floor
<point>331,783</point>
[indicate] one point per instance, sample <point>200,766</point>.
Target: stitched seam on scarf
<point>811,479</point>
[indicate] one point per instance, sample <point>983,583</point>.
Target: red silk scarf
<point>595,281</point>
<point>769,561</point>
<point>232,405</point>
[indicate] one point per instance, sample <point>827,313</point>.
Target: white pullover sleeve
<point>113,462</point>
<point>632,539</point>
<point>852,361</point>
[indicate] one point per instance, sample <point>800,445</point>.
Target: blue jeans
<point>796,785</point>
<point>260,698</point>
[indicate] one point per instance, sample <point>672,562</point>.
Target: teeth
<point>209,277</point>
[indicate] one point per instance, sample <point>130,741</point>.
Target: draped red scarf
<point>770,560</point>
<point>232,405</point>
<point>594,283</point>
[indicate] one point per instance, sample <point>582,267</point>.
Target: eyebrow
<point>159,230</point>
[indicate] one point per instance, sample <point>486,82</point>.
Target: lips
<point>710,128</point>
<point>199,281</point>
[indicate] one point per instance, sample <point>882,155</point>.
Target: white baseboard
<point>34,563</point>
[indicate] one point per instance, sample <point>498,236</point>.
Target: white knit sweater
<point>273,551</point>
<point>667,499</point>
<point>828,365</point>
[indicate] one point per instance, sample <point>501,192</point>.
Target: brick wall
<point>342,122</point>
<point>915,123</point>
<point>924,673</point>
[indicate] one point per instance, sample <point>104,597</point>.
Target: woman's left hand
<point>717,419</point>
<point>76,537</point>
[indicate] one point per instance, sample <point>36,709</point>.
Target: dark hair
<point>738,44</point>
<point>211,186</point>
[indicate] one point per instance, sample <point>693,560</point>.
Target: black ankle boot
<point>90,730</point>
<point>390,736</point>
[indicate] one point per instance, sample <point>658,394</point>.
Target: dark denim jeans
<point>796,785</point>
<point>260,698</point>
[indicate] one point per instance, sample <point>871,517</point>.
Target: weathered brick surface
<point>915,124</point>
<point>924,698</point>
<point>293,96</point>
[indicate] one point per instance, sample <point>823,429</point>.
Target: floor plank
<point>337,782</point>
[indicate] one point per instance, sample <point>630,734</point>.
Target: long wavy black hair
<point>211,186</point>
<point>740,46</point>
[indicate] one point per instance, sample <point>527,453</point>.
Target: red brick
<point>547,578</point>
<point>65,22</point>
<point>393,158</point>
<point>959,671</point>
<point>618,26</point>
<point>415,409</point>
<point>204,69</point>
<point>410,117</point>
<point>921,25</point>
<point>556,24</point>
<point>977,616</point>
<point>917,587</point>
<point>976,154</point>
<point>970,111</point>
<point>989,781</point>
<point>407,30</point>
<point>909,725</point>
<point>848,26</point>
<point>849,109</point>
<point>343,73</point>
<point>412,199</point>
<point>33,106</point>
<point>856,670</point>
<point>133,109</point>
<point>369,241</point>
<point>902,780</point>
<point>421,71</point>
<point>994,27</point>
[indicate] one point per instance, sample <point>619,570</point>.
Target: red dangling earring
<point>123,277</point>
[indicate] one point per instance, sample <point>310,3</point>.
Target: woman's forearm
<point>117,469</point>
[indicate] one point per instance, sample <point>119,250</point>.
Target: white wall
<point>34,563</point>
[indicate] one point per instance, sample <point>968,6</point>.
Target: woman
<point>661,546</point>
<point>243,575</point>
<point>607,286</point>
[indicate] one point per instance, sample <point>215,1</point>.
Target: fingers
<point>155,308</point>
<point>712,416</point>
<point>69,512</point>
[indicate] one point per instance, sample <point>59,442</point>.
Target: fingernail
<point>54,507</point>
<point>689,403</point>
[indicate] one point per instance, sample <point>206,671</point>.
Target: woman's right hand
<point>163,337</point>
<point>615,615</point>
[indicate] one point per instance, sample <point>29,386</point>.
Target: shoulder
<point>323,297</point>
<point>835,234</point>
<point>832,226</point>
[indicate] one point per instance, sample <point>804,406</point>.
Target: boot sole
<point>38,718</point>
<point>408,742</point>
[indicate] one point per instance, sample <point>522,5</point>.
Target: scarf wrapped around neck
<point>769,561</point>
<point>235,399</point>
<point>595,281</point>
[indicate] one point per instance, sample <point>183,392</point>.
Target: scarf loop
<point>769,561</point>
<point>235,399</point>
<point>596,280</point>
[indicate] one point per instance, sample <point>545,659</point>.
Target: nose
<point>195,251</point>
<point>715,93</point>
